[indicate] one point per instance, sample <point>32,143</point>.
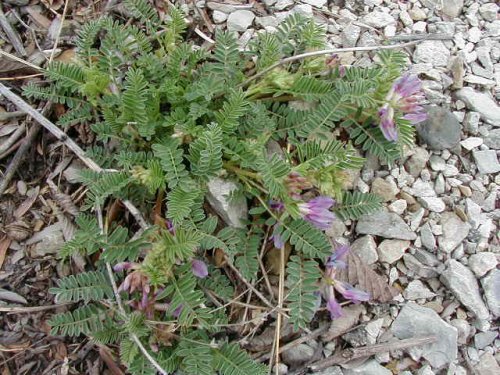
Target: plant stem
<point>241,172</point>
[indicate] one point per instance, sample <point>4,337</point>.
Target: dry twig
<point>366,351</point>
<point>12,34</point>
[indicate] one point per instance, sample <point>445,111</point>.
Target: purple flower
<point>277,239</point>
<point>317,212</point>
<point>122,266</point>
<point>337,259</point>
<point>351,293</point>
<point>276,205</point>
<point>333,307</point>
<point>199,268</point>
<point>404,96</point>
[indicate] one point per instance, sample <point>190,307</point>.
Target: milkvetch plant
<point>170,117</point>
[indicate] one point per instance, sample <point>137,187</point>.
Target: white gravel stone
<point>219,16</point>
<point>491,287</point>
<point>387,190</point>
<point>454,232</point>
<point>316,3</point>
<point>303,9</point>
<point>369,367</point>
<point>417,290</point>
<point>398,206</point>
<point>489,11</point>
<point>389,251</point>
<point>471,142</point>
<point>461,281</point>
<point>427,238</point>
<point>474,34</point>
<point>232,211</point>
<point>486,161</point>
<point>422,189</point>
<point>432,51</point>
<point>240,20</point>
<point>481,263</point>
<point>385,224</point>
<point>378,18</point>
<point>433,204</point>
<point>464,329</point>
<point>482,103</point>
<point>366,248</point>
<point>350,35</point>
<point>419,27</point>
<point>437,163</point>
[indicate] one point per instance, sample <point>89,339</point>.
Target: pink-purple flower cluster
<point>337,261</point>
<point>404,96</point>
<point>317,212</point>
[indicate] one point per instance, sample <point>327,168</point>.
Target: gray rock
<point>418,321</point>
<point>417,161</point>
<point>268,21</point>
<point>481,263</point>
<point>483,339</point>
<point>350,35</point>
<point>366,248</point>
<point>489,11</point>
<point>218,16</point>
<point>387,190</point>
<point>315,3</point>
<point>471,122</point>
<point>437,163</point>
<point>486,161</point>
<point>417,290</point>
<point>303,9</point>
<point>492,140</point>
<point>487,365</point>
<point>452,8</point>
<point>282,4</point>
<point>240,20</point>
<point>482,103</point>
<point>378,19</point>
<point>427,238</point>
<point>415,267</point>
<point>334,370</point>
<point>433,204</point>
<point>422,189</point>
<point>390,251</point>
<point>491,287</point>
<point>471,142</point>
<point>463,328</point>
<point>385,224</point>
<point>370,367</point>
<point>461,281</point>
<point>281,370</point>
<point>231,211</point>
<point>398,206</point>
<point>432,51</point>
<point>297,355</point>
<point>454,232</point>
<point>441,130</point>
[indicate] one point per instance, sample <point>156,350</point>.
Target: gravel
<point>385,224</point>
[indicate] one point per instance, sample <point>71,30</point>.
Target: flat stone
<point>471,142</point>
<point>390,251</point>
<point>297,355</point>
<point>417,290</point>
<point>437,163</point>
<point>398,206</point>
<point>480,102</point>
<point>464,329</point>
<point>427,238</point>
<point>486,161</point>
<point>489,11</point>
<point>432,51</point>
<point>350,35</point>
<point>433,204</point>
<point>441,130</point>
<point>268,21</point>
<point>452,8</point>
<point>491,287</point>
<point>492,140</point>
<point>421,189</point>
<point>240,20</point>
<point>454,232</point>
<point>303,9</point>
<point>387,190</point>
<point>462,283</point>
<point>218,16</point>
<point>231,211</point>
<point>378,19</point>
<point>482,263</point>
<point>316,3</point>
<point>483,339</point>
<point>487,365</point>
<point>385,224</point>
<point>417,161</point>
<point>371,367</point>
<point>417,321</point>
<point>366,248</point>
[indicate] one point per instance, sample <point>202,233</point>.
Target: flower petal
<point>349,292</point>
<point>334,308</point>
<point>199,268</point>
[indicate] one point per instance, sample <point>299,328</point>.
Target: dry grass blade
<point>360,274</point>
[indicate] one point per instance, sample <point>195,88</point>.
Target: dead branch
<point>14,38</point>
<point>369,350</point>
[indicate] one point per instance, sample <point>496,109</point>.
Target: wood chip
<point>26,205</point>
<point>7,295</point>
<point>4,246</point>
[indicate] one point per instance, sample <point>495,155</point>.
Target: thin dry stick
<point>324,52</point>
<point>119,302</point>
<point>12,139</point>
<point>13,57</point>
<point>4,116</point>
<point>262,268</point>
<point>366,351</point>
<point>63,17</point>
<point>280,306</point>
<point>257,293</point>
<point>12,34</point>
<point>31,309</point>
<point>68,142</point>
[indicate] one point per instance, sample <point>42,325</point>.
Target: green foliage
<point>303,284</point>
<point>85,287</point>
<point>356,204</point>
<point>169,117</point>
